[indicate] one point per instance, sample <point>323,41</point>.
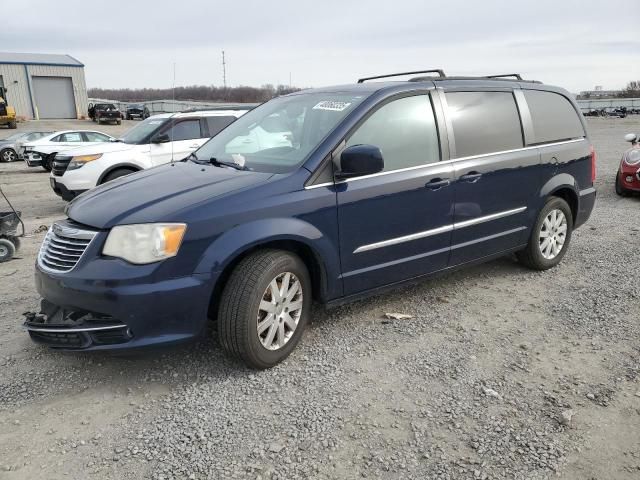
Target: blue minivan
<point>367,187</point>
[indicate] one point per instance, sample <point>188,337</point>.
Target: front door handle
<point>438,183</point>
<point>195,145</point>
<point>471,177</point>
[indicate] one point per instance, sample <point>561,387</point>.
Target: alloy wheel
<point>553,234</point>
<point>8,156</point>
<point>279,311</point>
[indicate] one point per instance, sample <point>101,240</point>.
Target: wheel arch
<point>127,165</point>
<point>287,234</point>
<point>563,186</point>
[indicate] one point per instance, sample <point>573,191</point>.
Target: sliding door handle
<point>471,177</point>
<point>438,183</point>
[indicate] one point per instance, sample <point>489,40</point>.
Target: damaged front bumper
<point>131,310</point>
<point>57,327</point>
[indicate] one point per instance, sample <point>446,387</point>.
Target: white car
<point>40,153</point>
<point>157,140</point>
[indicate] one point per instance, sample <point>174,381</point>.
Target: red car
<point>628,177</point>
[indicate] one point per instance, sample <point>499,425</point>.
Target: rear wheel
<point>264,308</point>
<point>7,250</point>
<point>620,190</point>
<point>120,172</point>
<point>8,155</point>
<point>550,236</point>
<point>13,125</point>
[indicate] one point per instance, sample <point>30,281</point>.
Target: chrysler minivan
<point>380,183</point>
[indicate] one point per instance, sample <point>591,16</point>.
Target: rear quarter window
<point>217,124</point>
<point>553,116</point>
<point>484,122</point>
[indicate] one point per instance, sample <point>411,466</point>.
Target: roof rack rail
<point>440,73</point>
<point>506,75</point>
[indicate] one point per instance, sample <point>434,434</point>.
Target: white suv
<point>157,140</point>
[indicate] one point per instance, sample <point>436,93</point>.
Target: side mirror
<point>631,137</point>
<point>161,138</point>
<point>360,160</point>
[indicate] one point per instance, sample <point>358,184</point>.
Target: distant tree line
<point>632,90</point>
<point>196,93</point>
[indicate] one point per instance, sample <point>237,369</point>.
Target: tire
<point>8,155</point>
<point>12,125</point>
<point>532,256</point>
<point>249,287</point>
<point>119,122</point>
<point>7,250</point>
<point>120,172</point>
<point>16,242</point>
<point>47,162</point>
<point>620,190</point>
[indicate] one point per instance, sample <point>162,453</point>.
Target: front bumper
<point>630,177</point>
<point>62,191</point>
<point>126,313</point>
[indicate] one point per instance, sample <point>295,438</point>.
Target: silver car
<point>11,148</point>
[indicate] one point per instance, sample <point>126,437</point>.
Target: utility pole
<point>224,71</point>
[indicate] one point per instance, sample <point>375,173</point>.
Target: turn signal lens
<point>593,164</point>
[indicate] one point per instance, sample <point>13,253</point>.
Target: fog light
<point>629,178</point>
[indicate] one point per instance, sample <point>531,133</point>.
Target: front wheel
<point>264,308</point>
<point>550,236</point>
<point>47,162</point>
<point>120,172</point>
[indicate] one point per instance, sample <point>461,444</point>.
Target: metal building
<point>43,86</point>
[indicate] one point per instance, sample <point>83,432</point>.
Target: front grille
<point>61,339</point>
<point>63,247</point>
<point>60,164</point>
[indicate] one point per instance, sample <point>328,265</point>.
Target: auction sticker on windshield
<point>331,105</point>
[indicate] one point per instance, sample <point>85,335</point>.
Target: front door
<point>396,224</point>
<point>185,137</point>
<point>496,178</point>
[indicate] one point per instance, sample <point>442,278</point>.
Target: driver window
<point>404,130</point>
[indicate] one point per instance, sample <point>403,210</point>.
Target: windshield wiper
<point>221,163</point>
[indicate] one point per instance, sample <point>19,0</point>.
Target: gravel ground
<point>501,373</point>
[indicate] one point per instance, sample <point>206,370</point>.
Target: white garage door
<point>54,97</point>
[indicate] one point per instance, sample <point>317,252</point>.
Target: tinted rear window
<point>554,118</point>
<point>484,122</point>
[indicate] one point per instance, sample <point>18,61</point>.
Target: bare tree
<point>632,90</point>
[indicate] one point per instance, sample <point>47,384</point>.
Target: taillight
<point>592,151</point>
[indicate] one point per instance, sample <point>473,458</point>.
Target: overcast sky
<point>576,44</point>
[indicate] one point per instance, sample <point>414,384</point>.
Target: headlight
<point>633,157</point>
<point>145,243</point>
<point>80,160</point>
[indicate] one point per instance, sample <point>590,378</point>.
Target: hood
<point>160,194</point>
<point>105,147</point>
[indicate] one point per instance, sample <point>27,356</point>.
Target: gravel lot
<point>501,373</point>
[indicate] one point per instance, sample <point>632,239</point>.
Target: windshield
<point>142,130</point>
<point>15,136</point>
<point>277,136</point>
